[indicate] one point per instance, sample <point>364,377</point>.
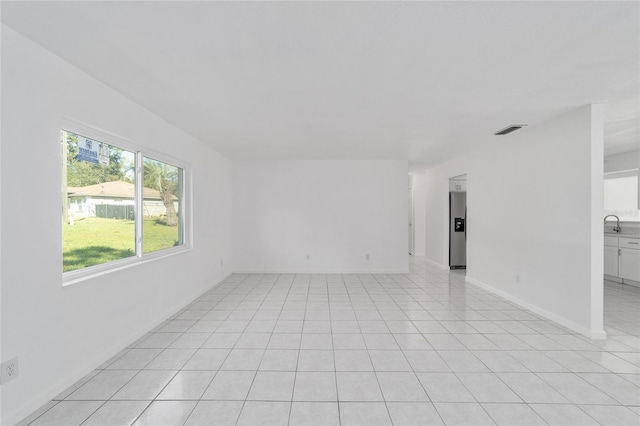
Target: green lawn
<point>95,240</point>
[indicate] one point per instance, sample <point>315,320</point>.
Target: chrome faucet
<point>615,228</point>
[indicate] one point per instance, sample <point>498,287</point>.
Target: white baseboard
<point>621,280</point>
<point>47,395</point>
<point>592,334</point>
<point>436,264</point>
<point>612,278</point>
<point>632,283</point>
<point>322,271</point>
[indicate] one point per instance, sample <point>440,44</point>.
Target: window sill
<point>91,272</point>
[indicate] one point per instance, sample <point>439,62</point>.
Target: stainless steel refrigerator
<point>457,230</point>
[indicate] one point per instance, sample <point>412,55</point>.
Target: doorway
<point>411,236</point>
<point>458,222</point>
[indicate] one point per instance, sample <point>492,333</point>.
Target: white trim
<point>139,203</point>
<point>412,222</point>
<point>80,275</point>
<point>322,271</point>
<point>46,395</point>
<point>633,283</point>
<point>613,279</point>
<point>436,264</point>
<point>592,334</point>
<point>421,254</point>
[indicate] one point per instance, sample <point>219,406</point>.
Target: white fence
<point>87,208</point>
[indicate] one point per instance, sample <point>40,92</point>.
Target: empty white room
<point>320,213</point>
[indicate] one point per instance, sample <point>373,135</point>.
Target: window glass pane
<point>161,204</point>
<point>98,196</point>
<point>621,196</point>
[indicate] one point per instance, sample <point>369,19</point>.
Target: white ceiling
<point>420,81</point>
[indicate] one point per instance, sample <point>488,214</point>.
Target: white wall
<point>335,211</point>
<point>620,162</point>
<point>534,206</point>
<point>61,333</point>
<point>418,182</point>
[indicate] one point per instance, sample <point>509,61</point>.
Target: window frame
<point>79,275</point>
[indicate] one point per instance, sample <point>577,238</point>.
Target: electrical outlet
<point>518,279</point>
<point>221,262</point>
<point>9,370</point>
<point>367,256</point>
<point>308,256</point>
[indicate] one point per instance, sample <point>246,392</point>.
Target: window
<point>161,204</point>
<point>621,195</point>
<point>118,205</point>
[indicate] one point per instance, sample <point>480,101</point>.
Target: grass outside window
<point>81,248</point>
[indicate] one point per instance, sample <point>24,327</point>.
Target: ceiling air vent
<point>509,129</point>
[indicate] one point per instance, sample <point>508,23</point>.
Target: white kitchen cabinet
<point>622,258</point>
<point>629,264</point>
<point>610,241</point>
<point>632,243</point>
<point>611,260</point>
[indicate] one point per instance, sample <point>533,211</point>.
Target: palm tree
<point>165,179</point>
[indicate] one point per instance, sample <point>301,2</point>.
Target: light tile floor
<point>421,348</point>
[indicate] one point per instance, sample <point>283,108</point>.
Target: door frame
<point>412,247</point>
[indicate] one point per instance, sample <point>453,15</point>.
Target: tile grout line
<point>396,294</point>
